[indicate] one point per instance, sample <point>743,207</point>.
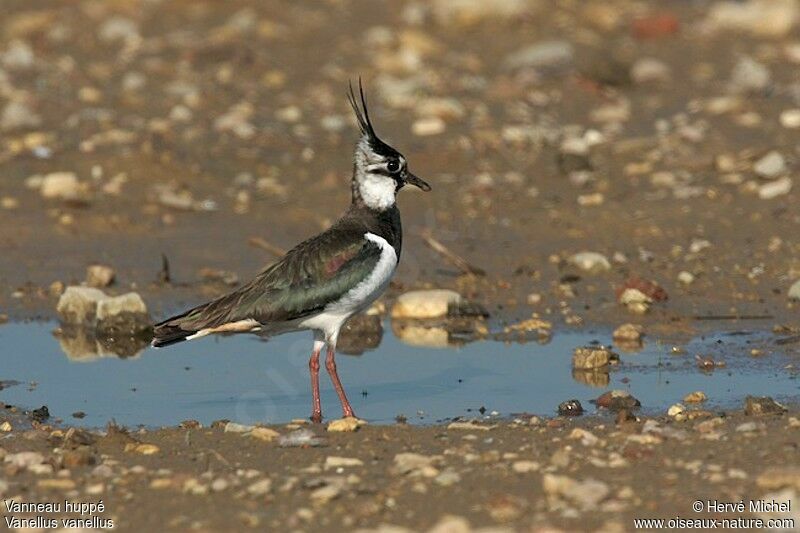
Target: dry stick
<point>264,245</point>
<point>461,263</point>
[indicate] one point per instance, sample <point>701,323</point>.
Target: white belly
<point>358,298</point>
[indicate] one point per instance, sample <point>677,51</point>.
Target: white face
<point>374,176</point>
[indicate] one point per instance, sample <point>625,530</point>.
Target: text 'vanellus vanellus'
<point>326,279</point>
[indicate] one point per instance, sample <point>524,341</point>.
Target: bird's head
<point>380,171</point>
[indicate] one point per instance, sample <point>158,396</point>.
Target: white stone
<point>790,118</point>
<point>546,54</point>
<point>78,305</point>
<point>591,262</point>
<point>424,127</point>
<point>775,188</point>
<point>771,165</point>
<point>763,18</point>
<point>425,303</point>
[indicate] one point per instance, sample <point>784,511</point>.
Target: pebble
<point>142,448</point>
<point>771,165</point>
<point>687,278</point>
<point>462,13</point>
<point>469,426</point>
<point>409,463</point>
<point>570,408</point>
<point>427,126</point>
<point>750,76</point>
<point>62,186</point>
<point>762,405</point>
<point>747,427</point>
<point>761,18</point>
<point>435,303</point>
<point>695,397</point>
<point>17,115</point>
<point>628,333</point>
<point>790,118</point>
<point>346,424</point>
<point>617,400</point>
<point>525,467</point>
<point>447,478</point>
<point>260,488</point>
<point>586,494</point>
<point>99,275</point>
<point>650,70</point>
<point>591,262</point>
<point>776,188</point>
<point>24,459</point>
<point>333,461</point>
<point>794,291</point>
<point>264,434</point>
<point>546,54</point>
<point>589,357</point>
<point>676,411</point>
<point>233,427</point>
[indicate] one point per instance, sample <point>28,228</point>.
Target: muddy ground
<point>663,137</point>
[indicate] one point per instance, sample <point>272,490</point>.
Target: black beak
<point>417,182</point>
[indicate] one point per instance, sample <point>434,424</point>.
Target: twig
<point>461,263</point>
<point>258,242</point>
<point>164,275</point>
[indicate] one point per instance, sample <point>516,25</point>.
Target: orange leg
<point>313,367</point>
<point>330,364</point>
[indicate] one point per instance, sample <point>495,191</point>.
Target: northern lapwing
<point>323,281</point>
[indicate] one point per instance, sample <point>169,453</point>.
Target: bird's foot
<point>316,417</point>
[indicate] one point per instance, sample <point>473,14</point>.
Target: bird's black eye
<point>393,166</point>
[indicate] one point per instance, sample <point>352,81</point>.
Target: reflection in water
<point>594,377</point>
<point>360,334</point>
<point>243,379</point>
<point>81,344</point>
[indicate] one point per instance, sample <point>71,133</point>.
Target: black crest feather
<point>362,113</point>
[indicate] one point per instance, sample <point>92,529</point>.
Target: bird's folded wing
<point>308,278</point>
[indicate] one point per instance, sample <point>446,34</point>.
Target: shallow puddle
<point>246,379</point>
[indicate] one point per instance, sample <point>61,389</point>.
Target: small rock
<point>99,276</point>
<point>524,467</point>
<point>585,494</point>
<point>448,478</point>
<point>24,459</point>
<point>328,492</point>
<point>436,303</point>
<point>427,126</point>
<point>142,448</point>
<point>333,461</point>
<point>346,424</point>
<point>761,18</point>
<point>770,166</point>
<point>260,488</point>
<point>41,414</point>
<point>78,305</point>
<point>591,262</point>
<point>777,478</point>
<point>463,13</point>
<point>233,427</point>
<point>695,397</point>
<point>687,278</point>
<point>617,400</point>
<point>790,118</point>
<point>650,289</point>
<point>750,76</point>
<point>471,425</point>
<point>747,427</point>
<point>650,70</point>
<point>794,291</point>
<point>762,405</point>
<point>655,26</point>
<point>676,411</point>
<point>56,484</point>
<point>63,186</point>
<point>628,333</point>
<point>543,55</point>
<point>589,357</point>
<point>265,434</point>
<point>17,115</point>
<point>570,408</point>
<point>776,188</point>
<point>415,464</point>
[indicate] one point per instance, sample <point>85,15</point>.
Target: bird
<point>326,279</point>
